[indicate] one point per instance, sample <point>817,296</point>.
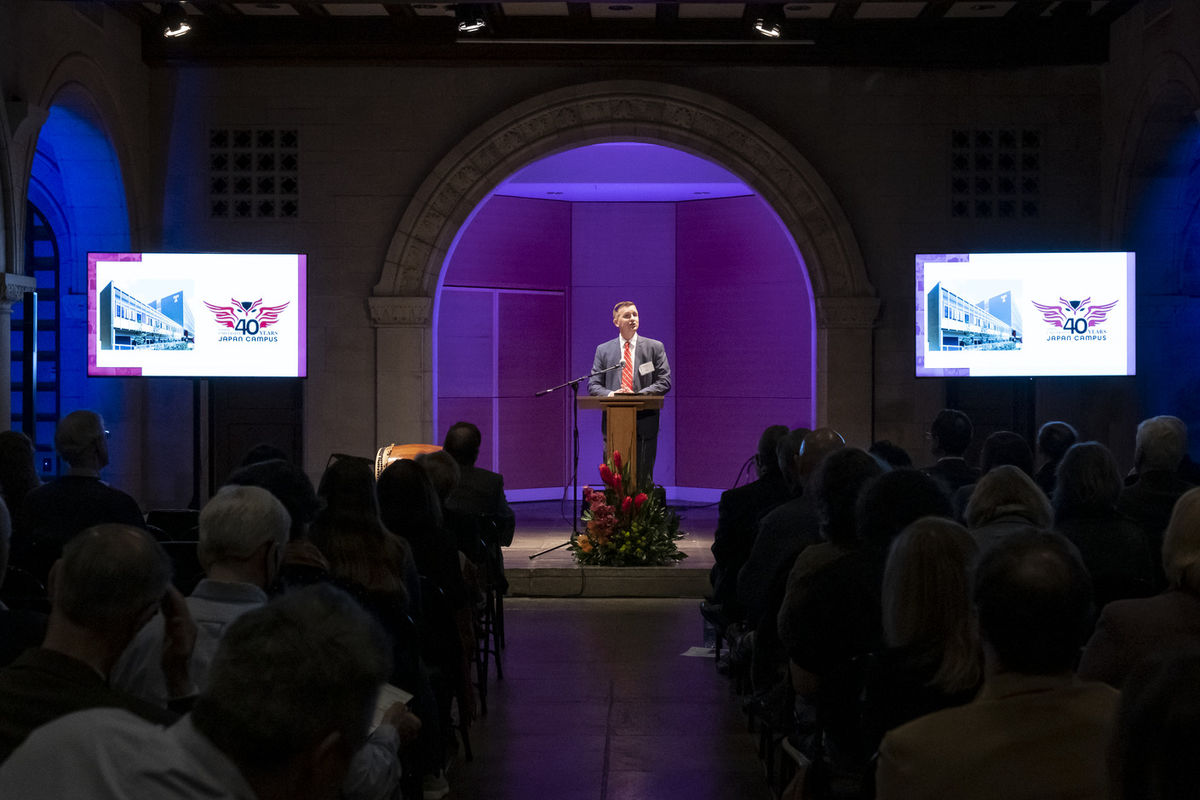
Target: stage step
<point>575,581</point>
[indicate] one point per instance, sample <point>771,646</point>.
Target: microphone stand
<point>574,384</point>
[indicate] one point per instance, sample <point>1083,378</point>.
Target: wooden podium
<point>620,416</point>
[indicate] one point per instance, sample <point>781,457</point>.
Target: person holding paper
<point>644,370</point>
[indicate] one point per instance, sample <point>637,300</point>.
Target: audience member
<point>1158,724</point>
<point>1035,730</point>
<point>1085,511</point>
<point>288,705</point>
<point>18,477</point>
<point>1159,447</point>
<point>889,455</point>
<point>20,629</point>
<point>478,491</point>
<point>840,611</point>
<point>303,562</point>
<point>1001,448</point>
<point>58,510</point>
<point>784,531</point>
<point>933,658</point>
<point>243,531</point>
<point>263,452</point>
<point>1052,442</point>
<point>109,582</point>
<point>738,514</point>
<point>1130,630</point>
<point>949,437</point>
<point>1005,501</point>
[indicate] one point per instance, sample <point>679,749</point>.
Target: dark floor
<point>598,703</point>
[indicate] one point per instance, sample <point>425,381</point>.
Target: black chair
<point>176,524</point>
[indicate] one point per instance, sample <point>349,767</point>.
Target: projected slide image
<point>1025,314</point>
<point>197,314</point>
<point>974,315</point>
<point>138,317</point>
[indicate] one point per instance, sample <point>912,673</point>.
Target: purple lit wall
<point>527,295</point>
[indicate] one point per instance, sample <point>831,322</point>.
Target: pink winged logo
<point>1059,315</point>
<point>243,310</point>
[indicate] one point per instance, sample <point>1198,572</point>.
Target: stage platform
<point>544,524</point>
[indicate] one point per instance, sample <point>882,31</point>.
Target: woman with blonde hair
<point>1006,500</point>
<point>1131,630</point>
<point>933,659</point>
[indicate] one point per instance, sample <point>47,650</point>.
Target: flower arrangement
<point>623,529</point>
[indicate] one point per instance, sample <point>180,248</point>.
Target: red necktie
<point>627,370</point>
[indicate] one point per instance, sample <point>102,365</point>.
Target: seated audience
<point>20,629</point>
<point>1130,630</point>
<point>1035,730</point>
<point>949,437</point>
<point>110,581</point>
<point>288,705</point>
<point>58,510</point>
<point>1005,501</point>
<point>933,658</point>
<point>243,530</point>
<point>784,531</point>
<point>1085,511</point>
<point>1159,448</point>
<point>840,613</point>
<point>738,514</point>
<point>18,477</point>
<point>999,449</point>
<point>1158,724</point>
<point>303,562</point>
<point>1052,442</point>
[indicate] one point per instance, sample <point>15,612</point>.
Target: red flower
<point>607,476</point>
<point>626,505</point>
<point>617,459</point>
<point>639,500</point>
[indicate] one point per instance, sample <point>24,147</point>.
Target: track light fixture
<point>174,21</point>
<point>770,24</point>
<point>470,18</point>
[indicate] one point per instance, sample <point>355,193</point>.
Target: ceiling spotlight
<point>770,24</point>
<point>174,21</point>
<point>770,30</point>
<point>470,18</point>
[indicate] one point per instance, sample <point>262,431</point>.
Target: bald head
<point>816,446</point>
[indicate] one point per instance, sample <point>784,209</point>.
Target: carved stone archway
<point>402,306</point>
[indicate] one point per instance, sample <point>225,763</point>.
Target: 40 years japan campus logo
<point>247,317</point>
<point>1075,316</point>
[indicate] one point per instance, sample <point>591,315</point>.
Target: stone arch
<point>1172,70</point>
<point>846,303</point>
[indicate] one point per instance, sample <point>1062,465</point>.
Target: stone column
<point>403,368</point>
<point>845,368</point>
<point>12,289</point>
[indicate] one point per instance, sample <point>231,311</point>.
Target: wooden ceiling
<point>960,33</point>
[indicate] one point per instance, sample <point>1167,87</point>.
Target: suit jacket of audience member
<point>1025,737</point>
<point>782,533</point>
<point>1148,501</point>
<point>1113,550</point>
<point>952,473</point>
<point>1131,630</point>
<point>657,380</point>
<point>58,510</point>
<point>214,605</point>
<point>480,491</point>
<point>43,685</point>
<point>738,514</point>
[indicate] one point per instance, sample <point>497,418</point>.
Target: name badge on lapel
<point>645,368</point>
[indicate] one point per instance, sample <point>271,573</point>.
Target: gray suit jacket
<point>655,381</point>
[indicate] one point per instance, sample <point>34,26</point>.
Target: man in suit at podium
<point>644,370</point>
